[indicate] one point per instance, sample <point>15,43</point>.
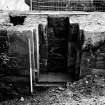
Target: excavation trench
<point>58,50</point>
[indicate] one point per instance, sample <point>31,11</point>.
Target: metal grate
<point>69,5</point>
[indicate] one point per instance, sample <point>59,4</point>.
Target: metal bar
<point>31,5</point>
<point>30,58</point>
<point>37,45</point>
<point>33,56</point>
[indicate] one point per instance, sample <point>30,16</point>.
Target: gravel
<point>87,91</point>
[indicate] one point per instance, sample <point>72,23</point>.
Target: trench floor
<point>54,77</point>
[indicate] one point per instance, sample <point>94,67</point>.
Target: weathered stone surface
<point>4,17</point>
<point>93,26</point>
<point>17,49</point>
<point>19,5</point>
<point>93,63</point>
<point>3,41</point>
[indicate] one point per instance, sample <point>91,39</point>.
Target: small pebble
<point>61,88</point>
<point>88,60</point>
<point>22,99</point>
<point>28,103</point>
<point>87,82</point>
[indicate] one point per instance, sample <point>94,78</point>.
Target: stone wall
<point>93,26</point>
<point>93,55</point>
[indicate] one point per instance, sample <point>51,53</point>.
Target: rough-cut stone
<point>93,26</point>
<point>4,17</point>
<point>17,50</point>
<point>3,41</point>
<point>19,5</point>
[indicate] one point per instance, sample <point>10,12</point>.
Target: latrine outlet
<point>58,49</point>
<point>54,50</point>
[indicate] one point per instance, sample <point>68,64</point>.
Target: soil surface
<point>87,91</point>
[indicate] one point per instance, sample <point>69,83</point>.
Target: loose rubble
<point>87,91</point>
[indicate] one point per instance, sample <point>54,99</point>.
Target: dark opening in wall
<point>54,47</point>
<point>59,49</point>
<point>17,20</point>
